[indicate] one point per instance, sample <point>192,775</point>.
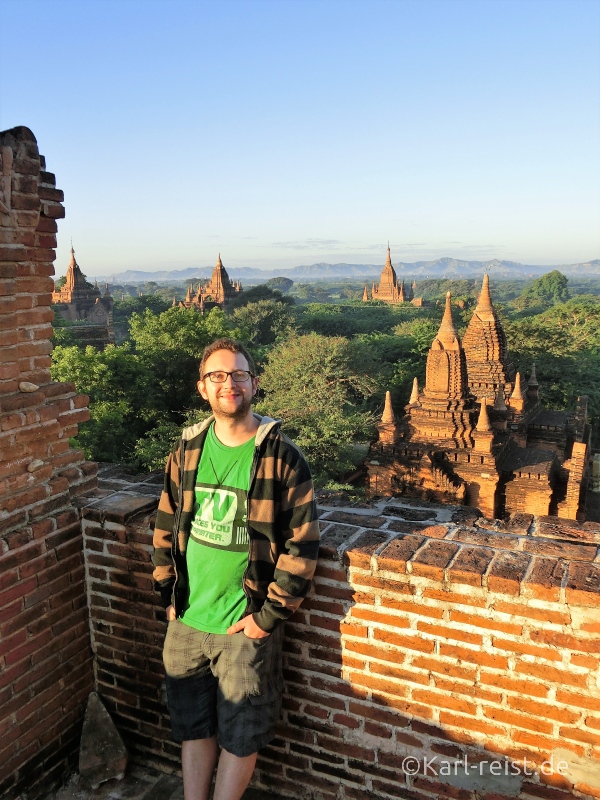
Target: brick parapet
<point>424,636</point>
<point>45,655</point>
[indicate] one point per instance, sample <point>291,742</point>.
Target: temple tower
<point>388,289</point>
<point>485,349</point>
<point>76,289</point>
<point>445,411</point>
<point>218,292</point>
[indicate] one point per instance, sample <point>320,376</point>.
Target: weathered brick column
<point>45,657</point>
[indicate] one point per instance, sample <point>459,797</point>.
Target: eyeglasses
<point>237,376</point>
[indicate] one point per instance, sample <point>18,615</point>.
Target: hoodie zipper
<point>253,471</point>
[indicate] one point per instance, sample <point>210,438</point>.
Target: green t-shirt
<point>217,553</point>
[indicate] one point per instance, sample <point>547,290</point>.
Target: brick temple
<point>477,435</point>
<point>390,290</point>
<point>219,291</point>
<point>79,301</point>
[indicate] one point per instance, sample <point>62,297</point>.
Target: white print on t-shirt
<point>215,516</point>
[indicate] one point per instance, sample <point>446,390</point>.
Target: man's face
<point>230,399</point>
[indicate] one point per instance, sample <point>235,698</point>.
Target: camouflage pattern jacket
<point>281,518</point>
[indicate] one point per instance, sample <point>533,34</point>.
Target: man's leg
<point>233,776</point>
<point>198,760</point>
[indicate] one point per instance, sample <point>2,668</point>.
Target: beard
<point>222,410</point>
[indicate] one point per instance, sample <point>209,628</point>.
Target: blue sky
<point>285,132</point>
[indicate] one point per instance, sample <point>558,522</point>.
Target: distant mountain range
<point>440,268</point>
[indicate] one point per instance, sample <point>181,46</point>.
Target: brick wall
<point>429,635</point>
<point>45,657</point>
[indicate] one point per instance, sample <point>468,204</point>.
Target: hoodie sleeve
<point>164,567</point>
<point>298,532</point>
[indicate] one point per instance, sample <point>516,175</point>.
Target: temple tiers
<point>475,436</point>
<point>445,410</point>
<point>485,348</point>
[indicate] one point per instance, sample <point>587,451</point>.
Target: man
<point>236,543</point>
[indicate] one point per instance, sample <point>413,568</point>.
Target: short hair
<point>226,344</point>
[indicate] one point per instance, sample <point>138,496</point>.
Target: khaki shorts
<point>228,686</point>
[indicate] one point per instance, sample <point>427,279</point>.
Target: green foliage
<point>564,343</point>
<point>314,384</point>
<point>170,346</point>
<point>327,382</point>
<point>121,397</point>
<point>59,283</point>
<point>260,292</point>
<point>123,309</point>
<point>309,293</point>
<point>263,322</point>
<point>548,290</point>
<point>280,283</point>
<point>63,335</point>
<point>344,320</point>
<point>152,449</point>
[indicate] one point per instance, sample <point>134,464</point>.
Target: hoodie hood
<point>265,426</point>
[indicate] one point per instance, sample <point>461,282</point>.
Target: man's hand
<point>171,615</point>
<point>249,627</point>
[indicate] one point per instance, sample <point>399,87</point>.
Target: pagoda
<point>219,291</point>
<point>478,434</point>
<point>485,349</point>
<point>444,410</point>
<point>79,301</point>
<point>389,290</point>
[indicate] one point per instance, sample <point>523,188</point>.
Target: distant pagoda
<point>78,301</point>
<point>218,292</point>
<point>389,289</point>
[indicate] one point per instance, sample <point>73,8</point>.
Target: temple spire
<point>388,417</point>
<point>533,377</point>
<point>517,393</point>
<point>414,395</point>
<point>499,403</point>
<point>533,387</point>
<point>447,333</point>
<point>483,423</point>
<point>517,400</point>
<point>387,426</point>
<point>484,302</point>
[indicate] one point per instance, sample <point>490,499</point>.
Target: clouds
<point>309,244</point>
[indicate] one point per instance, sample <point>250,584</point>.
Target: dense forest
<point>324,366</point>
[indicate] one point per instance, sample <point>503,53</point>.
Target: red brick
<point>527,649</point>
<point>483,622</point>
<point>551,674</point>
<point>544,710</point>
<point>474,656</point>
<point>465,723</point>
<point>414,642</point>
<point>507,572</point>
<point>521,687</point>
<point>556,639</point>
<point>374,615</point>
<point>446,632</point>
<point>531,612</point>
<point>435,665</point>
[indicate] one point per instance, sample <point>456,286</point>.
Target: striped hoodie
<point>281,518</point>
